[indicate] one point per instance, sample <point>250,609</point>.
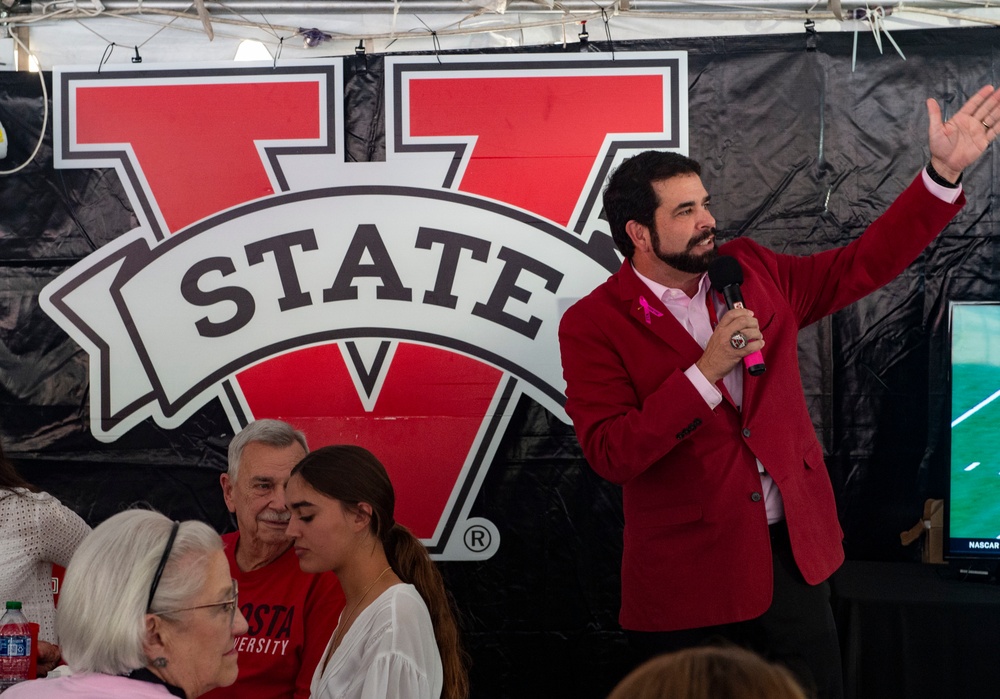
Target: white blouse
<point>36,530</point>
<point>388,653</point>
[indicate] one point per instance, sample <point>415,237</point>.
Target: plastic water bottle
<point>15,646</point>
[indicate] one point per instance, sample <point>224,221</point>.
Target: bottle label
<point>15,646</point>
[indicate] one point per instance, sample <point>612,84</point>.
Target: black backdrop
<point>799,152</point>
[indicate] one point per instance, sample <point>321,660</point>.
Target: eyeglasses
<point>230,605</point>
<point>162,565</point>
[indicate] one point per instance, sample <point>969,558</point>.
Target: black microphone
<point>726,276</point>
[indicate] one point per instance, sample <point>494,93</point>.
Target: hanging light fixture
<point>3,143</point>
<point>313,37</point>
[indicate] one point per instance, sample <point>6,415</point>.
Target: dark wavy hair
<point>353,475</point>
<point>9,477</point>
<point>629,194</point>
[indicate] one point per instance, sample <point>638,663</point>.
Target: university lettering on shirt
<point>269,628</point>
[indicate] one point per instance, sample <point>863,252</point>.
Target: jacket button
<point>746,431</point>
<point>755,496</point>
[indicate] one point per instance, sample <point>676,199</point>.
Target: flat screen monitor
<point>972,508</point>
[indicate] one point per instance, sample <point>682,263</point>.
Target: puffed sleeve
<point>406,662</point>
<point>61,530</point>
<point>396,675</point>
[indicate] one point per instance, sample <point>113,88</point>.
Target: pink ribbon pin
<point>646,307</point>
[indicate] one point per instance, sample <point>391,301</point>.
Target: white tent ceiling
<point>74,32</point>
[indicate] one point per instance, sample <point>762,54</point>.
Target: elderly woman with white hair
<point>147,611</point>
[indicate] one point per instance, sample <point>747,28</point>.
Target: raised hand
<point>957,143</point>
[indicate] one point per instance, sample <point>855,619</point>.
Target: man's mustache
<point>276,518</point>
<point>698,240</point>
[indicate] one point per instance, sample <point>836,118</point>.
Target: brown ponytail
<point>411,562</point>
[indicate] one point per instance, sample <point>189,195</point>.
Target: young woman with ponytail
<point>397,635</point>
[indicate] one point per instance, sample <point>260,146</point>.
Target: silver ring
<point>738,341</point>
<point>985,125</point>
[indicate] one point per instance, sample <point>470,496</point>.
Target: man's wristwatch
<point>933,174</point>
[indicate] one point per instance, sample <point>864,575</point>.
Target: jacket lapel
<point>763,311</point>
<point>650,313</point>
<point>719,305</point>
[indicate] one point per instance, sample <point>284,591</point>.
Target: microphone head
<point>725,271</point>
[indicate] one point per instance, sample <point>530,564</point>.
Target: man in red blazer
<point>730,522</point>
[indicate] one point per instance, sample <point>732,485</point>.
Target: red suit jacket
<point>696,545</point>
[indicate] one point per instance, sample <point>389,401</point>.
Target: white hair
<point>274,433</point>
<point>101,617</point>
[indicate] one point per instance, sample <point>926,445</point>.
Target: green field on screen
<point>975,492</point>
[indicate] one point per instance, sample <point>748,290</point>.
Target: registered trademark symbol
<point>477,538</point>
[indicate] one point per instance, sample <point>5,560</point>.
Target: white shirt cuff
<point>948,194</point>
<point>708,391</point>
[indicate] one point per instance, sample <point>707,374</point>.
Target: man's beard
<point>687,261</point>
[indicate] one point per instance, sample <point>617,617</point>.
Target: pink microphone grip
<point>754,363</point>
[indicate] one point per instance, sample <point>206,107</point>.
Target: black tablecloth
<point>913,630</point>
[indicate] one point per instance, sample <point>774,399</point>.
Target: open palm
<point>957,143</point>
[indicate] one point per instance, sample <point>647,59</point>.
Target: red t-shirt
<point>291,615</point>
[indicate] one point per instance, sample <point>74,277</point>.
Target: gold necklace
<point>340,633</point>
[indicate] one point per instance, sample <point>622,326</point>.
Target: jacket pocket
<point>654,517</point>
<point>814,458</point>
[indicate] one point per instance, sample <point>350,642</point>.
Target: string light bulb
<point>313,37</point>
